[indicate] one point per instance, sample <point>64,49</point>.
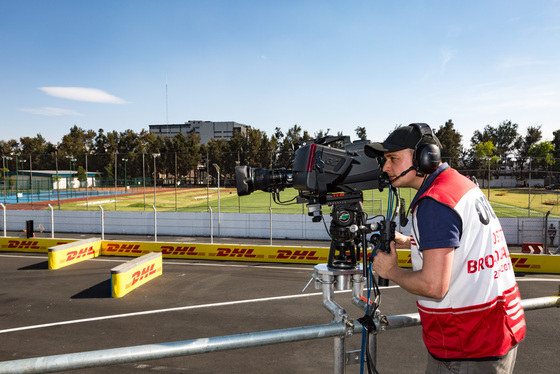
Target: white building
<point>206,129</point>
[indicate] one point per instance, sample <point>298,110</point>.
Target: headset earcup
<point>428,158</point>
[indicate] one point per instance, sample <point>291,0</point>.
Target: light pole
<point>17,175</point>
<point>4,158</point>
<point>488,178</point>
<point>218,171</point>
<point>529,206</point>
<point>70,160</point>
<point>155,155</point>
<point>21,162</point>
<point>125,161</point>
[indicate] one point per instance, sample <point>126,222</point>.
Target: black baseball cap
<point>402,138</point>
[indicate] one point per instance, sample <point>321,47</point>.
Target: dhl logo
<point>144,273</point>
<point>26,244</point>
<point>75,255</point>
<point>521,263</point>
<point>180,251</point>
<point>237,252</point>
<point>517,262</point>
<point>286,254</point>
<point>123,248</point>
<point>407,260</point>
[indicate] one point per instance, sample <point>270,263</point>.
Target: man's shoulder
<point>449,187</point>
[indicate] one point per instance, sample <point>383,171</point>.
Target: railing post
<point>155,223</point>
<point>52,221</point>
<point>4,209</point>
<point>211,226</point>
<point>102,223</point>
<point>270,224</point>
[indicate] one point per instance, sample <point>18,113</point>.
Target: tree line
<point>183,157</point>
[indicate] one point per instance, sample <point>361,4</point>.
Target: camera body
<point>318,169</point>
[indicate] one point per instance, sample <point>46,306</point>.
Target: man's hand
<point>402,239</point>
<point>385,263</point>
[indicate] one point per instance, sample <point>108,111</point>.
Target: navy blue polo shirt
<point>439,225</point>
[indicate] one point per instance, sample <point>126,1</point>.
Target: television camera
<point>327,175</point>
<point>336,176</point>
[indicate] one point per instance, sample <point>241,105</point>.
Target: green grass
<point>506,202</point>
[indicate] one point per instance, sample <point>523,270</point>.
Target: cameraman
<point>468,299</point>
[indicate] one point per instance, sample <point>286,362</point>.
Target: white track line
<point>155,311</point>
<point>191,307</point>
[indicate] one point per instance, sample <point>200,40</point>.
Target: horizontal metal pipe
<point>222,343</point>
<point>115,356</point>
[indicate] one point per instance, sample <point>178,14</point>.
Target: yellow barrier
<point>71,253</point>
<point>133,274</point>
<point>30,245</point>
<point>235,252</point>
<point>522,263</point>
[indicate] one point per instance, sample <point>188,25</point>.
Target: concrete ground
<point>47,312</point>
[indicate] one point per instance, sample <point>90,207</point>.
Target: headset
<point>427,156</point>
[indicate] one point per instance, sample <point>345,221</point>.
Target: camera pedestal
<point>329,279</point>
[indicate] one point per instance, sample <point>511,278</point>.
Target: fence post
<point>211,226</point>
<point>155,223</point>
<point>52,221</point>
<point>4,209</point>
<point>102,223</point>
<point>270,224</point>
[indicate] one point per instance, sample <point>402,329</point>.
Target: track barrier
<point>532,248</point>
<point>522,262</point>
<point>132,274</point>
<point>71,253</point>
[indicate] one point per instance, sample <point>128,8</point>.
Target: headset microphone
<point>404,173</point>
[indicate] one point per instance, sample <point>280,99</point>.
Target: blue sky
<point>319,64</point>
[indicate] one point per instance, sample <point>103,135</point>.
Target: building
<point>49,179</point>
<point>206,129</point>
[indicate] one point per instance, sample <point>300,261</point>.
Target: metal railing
<point>340,328</point>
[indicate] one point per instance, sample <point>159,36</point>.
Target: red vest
<point>481,314</point>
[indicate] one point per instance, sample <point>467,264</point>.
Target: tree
<point>286,151</point>
<point>504,137</point>
<point>361,132</point>
<point>486,151</point>
<point>450,139</point>
<point>39,150</point>
<point>77,141</point>
<point>534,135</point>
<point>541,154</point>
<point>556,143</point>
<point>81,175</point>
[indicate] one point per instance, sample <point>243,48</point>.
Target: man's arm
<point>431,281</point>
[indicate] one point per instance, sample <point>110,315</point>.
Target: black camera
<point>318,169</point>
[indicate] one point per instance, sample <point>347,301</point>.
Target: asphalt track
<point>47,312</point>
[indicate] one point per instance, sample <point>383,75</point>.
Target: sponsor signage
<point>235,252</point>
<point>133,274</point>
<point>30,245</point>
<point>522,263</point>
<point>71,253</point>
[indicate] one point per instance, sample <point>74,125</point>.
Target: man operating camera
<point>468,300</point>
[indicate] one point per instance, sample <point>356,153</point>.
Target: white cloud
<point>93,95</point>
<point>50,111</point>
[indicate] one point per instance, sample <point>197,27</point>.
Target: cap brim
<point>378,149</point>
